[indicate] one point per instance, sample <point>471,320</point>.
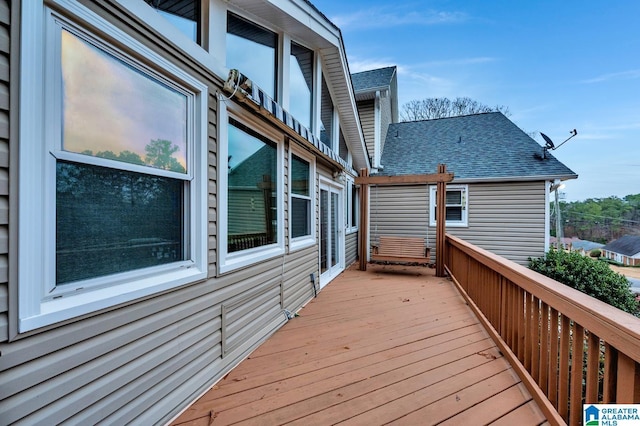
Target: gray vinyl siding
<point>351,248</point>
<point>5,19</point>
<point>507,219</point>
<point>146,360</point>
<point>367,120</point>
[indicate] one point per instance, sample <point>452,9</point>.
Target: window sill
<point>72,306</point>
<point>249,257</point>
<point>301,243</point>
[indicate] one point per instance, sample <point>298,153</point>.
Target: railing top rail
<point>618,328</point>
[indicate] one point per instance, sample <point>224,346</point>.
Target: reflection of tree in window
<point>251,193</point>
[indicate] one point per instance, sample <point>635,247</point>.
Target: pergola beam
<point>404,179</point>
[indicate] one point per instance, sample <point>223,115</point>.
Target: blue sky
<point>557,65</point>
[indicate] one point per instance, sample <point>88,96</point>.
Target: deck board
<point>394,344</point>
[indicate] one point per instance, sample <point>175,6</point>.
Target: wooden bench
<point>401,250</point>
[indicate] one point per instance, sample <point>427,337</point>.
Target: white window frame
<point>306,240</point>
<point>350,226</point>
<point>40,49</point>
<point>465,206</point>
<point>228,262</point>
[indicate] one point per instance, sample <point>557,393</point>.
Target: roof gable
<point>485,146</point>
<point>373,79</point>
<point>629,245</point>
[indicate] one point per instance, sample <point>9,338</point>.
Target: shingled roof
<point>484,146</point>
<point>629,245</point>
<point>372,79</point>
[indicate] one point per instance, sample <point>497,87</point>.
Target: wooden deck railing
<point>569,348</point>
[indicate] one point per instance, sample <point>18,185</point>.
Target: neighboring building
<point>566,242</point>
<point>625,250</point>
<point>499,198</point>
<point>585,247</point>
<point>377,100</point>
<point>163,213</point>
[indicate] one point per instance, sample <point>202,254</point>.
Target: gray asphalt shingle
<point>629,245</point>
<point>372,79</point>
<point>478,146</point>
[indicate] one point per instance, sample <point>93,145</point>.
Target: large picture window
<point>250,188</point>
<point>301,84</point>
<point>183,14</point>
<point>252,50</point>
<point>326,116</point>
<point>252,182</point>
<point>122,182</point>
<point>456,208</point>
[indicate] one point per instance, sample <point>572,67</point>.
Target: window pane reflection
<point>251,193</point>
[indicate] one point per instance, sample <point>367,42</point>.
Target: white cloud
<point>623,75</point>
<point>385,17</point>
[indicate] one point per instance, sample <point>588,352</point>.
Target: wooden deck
<point>394,345</point>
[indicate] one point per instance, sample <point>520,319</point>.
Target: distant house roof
<point>373,79</point>
<point>586,245</point>
<point>478,147</point>
<point>629,245</point>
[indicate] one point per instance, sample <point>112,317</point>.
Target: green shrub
<point>595,253</point>
<point>589,276</point>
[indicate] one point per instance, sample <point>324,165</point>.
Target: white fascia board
<point>306,14</point>
<point>513,179</point>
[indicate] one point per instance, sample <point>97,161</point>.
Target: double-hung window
<point>456,206</point>
<point>301,201</point>
<point>113,189</point>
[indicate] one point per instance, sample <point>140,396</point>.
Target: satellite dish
<point>549,145</point>
<point>549,142</point>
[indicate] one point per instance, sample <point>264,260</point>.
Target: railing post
<point>441,220</point>
<point>363,235</point>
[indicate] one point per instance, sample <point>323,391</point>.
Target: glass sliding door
<point>331,235</point>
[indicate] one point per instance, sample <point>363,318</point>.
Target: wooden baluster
<point>554,350</point>
<point>543,377</point>
<point>610,374</point>
<point>628,381</point>
<point>593,367</point>
<point>577,365</point>
<point>563,379</point>
<point>535,335</point>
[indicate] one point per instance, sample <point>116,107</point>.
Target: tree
<point>160,154</point>
<point>589,276</point>
<point>431,108</point>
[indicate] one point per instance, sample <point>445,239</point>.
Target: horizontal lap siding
<point>505,218</point>
<point>146,361</point>
<point>367,121</point>
<point>399,211</point>
<point>351,248</point>
<point>5,18</point>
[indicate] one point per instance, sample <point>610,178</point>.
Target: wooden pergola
<point>440,179</point>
